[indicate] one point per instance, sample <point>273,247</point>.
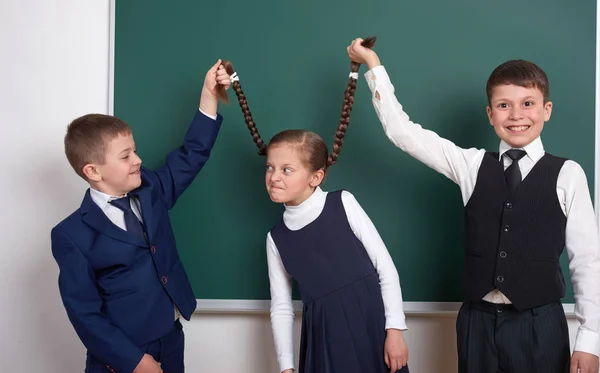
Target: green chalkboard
<point>291,58</point>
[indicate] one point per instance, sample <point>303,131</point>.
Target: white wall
<point>54,67</point>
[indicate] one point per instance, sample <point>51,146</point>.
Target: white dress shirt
<point>296,218</point>
<point>462,166</point>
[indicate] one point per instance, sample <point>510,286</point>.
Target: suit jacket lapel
<point>93,216</point>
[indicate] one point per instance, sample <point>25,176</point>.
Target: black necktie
<point>132,223</point>
<point>513,173</point>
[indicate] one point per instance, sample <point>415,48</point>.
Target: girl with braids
<point>353,318</point>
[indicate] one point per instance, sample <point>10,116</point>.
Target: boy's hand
<point>582,362</point>
<point>216,76</point>
<point>395,350</point>
<point>148,365</point>
<point>362,55</point>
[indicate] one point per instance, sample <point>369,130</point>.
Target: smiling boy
<point>121,280</point>
<point>522,207</point>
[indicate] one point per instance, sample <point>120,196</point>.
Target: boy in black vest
<point>522,207</point>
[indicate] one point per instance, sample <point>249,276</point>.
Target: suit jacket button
<point>153,249</point>
<point>164,279</point>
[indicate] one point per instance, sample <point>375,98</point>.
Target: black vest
<point>514,240</point>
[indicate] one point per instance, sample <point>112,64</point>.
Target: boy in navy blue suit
<point>121,280</point>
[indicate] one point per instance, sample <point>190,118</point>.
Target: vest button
<point>164,279</point>
<point>500,279</point>
<point>153,249</point>
<point>502,254</point>
<point>509,205</point>
<point>506,228</point>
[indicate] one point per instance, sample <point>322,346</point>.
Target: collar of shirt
<point>101,199</point>
<point>535,149</point>
<point>296,217</point>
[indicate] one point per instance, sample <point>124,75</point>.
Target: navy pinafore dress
<point>343,318</point>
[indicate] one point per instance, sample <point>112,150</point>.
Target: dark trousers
<point>168,351</point>
<point>494,338</point>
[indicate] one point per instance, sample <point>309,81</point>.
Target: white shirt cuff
<point>286,362</point>
<point>213,117</point>
<point>396,323</point>
<point>587,341</point>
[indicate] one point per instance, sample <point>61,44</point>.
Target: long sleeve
<point>426,146</point>
<point>183,164</point>
<point>282,310</point>
<point>584,256</point>
<point>389,280</point>
<point>83,303</point>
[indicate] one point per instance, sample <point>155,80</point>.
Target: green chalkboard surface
<point>292,62</point>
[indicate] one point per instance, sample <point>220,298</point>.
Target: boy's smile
<point>518,128</point>
<point>518,114</point>
<point>120,173</point>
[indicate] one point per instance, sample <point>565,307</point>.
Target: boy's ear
<point>317,178</point>
<point>547,111</point>
<point>91,172</point>
<point>488,109</point>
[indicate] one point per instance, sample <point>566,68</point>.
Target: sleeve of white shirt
<point>282,309</point>
<point>213,117</point>
<point>428,147</point>
<point>389,280</point>
<point>584,258</point>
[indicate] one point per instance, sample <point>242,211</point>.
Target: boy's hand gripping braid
<point>360,52</point>
<point>216,81</point>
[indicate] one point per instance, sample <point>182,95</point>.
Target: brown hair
<point>237,87</point>
<point>309,142</point>
<point>518,72</point>
<point>87,139</point>
<point>312,147</point>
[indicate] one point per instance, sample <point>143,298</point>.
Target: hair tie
<point>234,77</point>
<point>353,75</point>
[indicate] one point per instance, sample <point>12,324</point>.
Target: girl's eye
<point>269,168</point>
<point>287,170</point>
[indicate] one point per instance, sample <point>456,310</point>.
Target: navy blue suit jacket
<point>119,290</point>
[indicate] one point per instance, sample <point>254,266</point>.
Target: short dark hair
<point>87,138</point>
<point>519,72</point>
